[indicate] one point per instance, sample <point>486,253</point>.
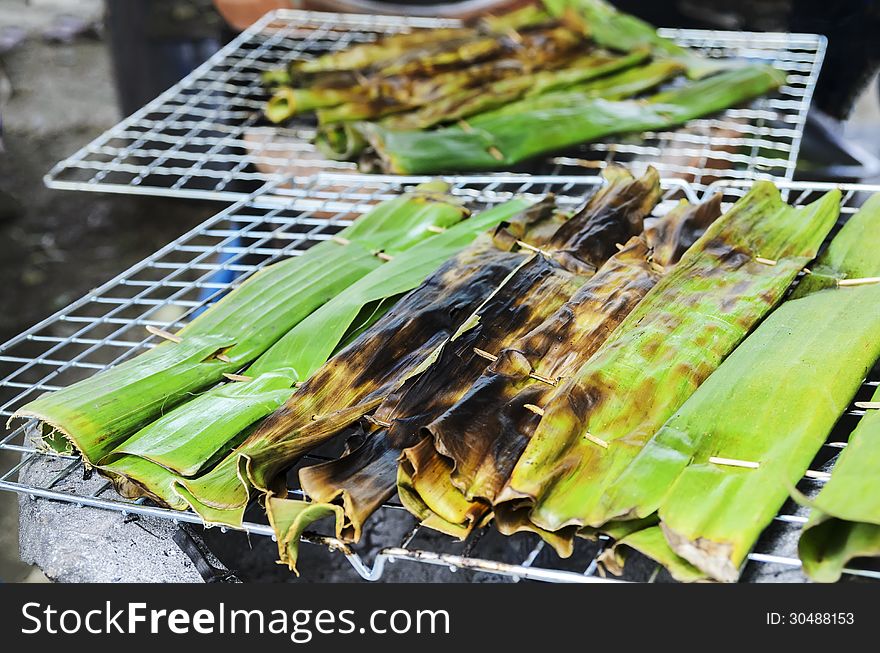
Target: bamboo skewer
<point>537,410</point>
<point>857,282</point>
<point>238,377</point>
<point>165,335</point>
<point>532,375</point>
<point>377,422</point>
<point>485,354</point>
<point>733,462</point>
<point>765,261</point>
<point>597,441</point>
<point>868,405</point>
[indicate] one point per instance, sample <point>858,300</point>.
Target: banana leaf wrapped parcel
<point>187,440</point>
<point>720,469</point>
<point>486,96</point>
<point>472,447</point>
<point>97,414</point>
<point>845,520</point>
<point>366,476</point>
<point>599,419</point>
<point>357,378</point>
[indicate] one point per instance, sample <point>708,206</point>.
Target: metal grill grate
<point>165,290</point>
<point>205,138</point>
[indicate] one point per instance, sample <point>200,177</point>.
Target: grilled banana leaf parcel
<point>482,436</point>
<point>614,29</point>
<point>359,377</point>
<point>599,419</point>
<point>721,468</point>
<point>491,141</point>
<point>845,521</point>
<point>189,438</point>
<point>546,90</point>
<point>97,414</point>
<point>386,92</point>
<point>366,477</point>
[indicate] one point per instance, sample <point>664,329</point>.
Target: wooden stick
<point>165,335</point>
<point>435,229</point>
<point>537,410</point>
<point>868,405</point>
<point>819,476</point>
<point>485,354</point>
<point>733,462</point>
<point>384,256</point>
<point>765,261</point>
<point>542,379</point>
<point>341,240</point>
<point>223,357</point>
<point>858,282</point>
<point>238,377</point>
<point>597,441</point>
<point>377,422</point>
<point>465,126</point>
<point>532,248</point>
<point>496,153</point>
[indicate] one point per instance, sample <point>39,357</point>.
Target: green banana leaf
<point>614,29</point>
<point>493,142</point>
<point>289,518</point>
<point>345,142</point>
<point>189,438</point>
<point>366,476</point>
<point>358,378</point>
<point>474,100</point>
<point>773,403</point>
<point>598,420</point>
<point>97,414</point>
<point>845,521</point>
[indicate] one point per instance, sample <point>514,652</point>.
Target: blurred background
<point>69,69</point>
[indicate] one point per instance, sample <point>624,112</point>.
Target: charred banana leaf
<point>494,141</point>
<point>598,420</point>
<point>189,438</point>
<point>540,51</point>
<point>97,414</point>
<point>357,379</point>
<point>484,434</point>
<point>381,52</point>
<point>366,477</point>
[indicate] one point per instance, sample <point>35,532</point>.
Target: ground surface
<point>57,245</point>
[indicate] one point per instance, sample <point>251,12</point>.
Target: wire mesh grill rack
<point>205,138</point>
<point>108,326</point>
